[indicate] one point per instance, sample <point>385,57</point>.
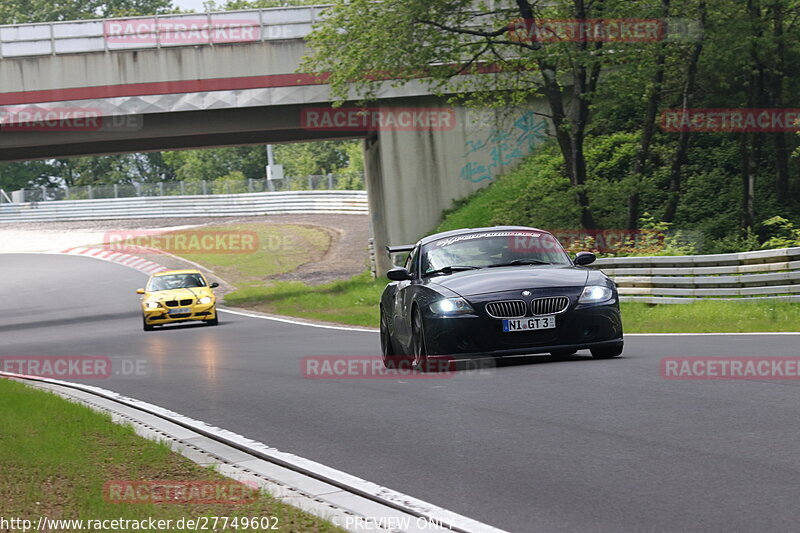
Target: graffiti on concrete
<point>502,147</point>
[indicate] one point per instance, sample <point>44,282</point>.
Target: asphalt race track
<point>535,444</point>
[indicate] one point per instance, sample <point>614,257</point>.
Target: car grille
<point>174,303</point>
<point>549,306</point>
<point>506,309</point>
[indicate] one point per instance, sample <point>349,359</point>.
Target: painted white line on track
<point>376,330</point>
<point>300,323</point>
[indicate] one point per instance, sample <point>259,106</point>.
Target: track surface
<point>568,445</point>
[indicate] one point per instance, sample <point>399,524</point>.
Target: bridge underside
<point>167,131</point>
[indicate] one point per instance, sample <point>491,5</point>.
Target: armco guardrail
<point>745,276</point>
<point>268,203</point>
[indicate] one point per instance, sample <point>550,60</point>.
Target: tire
<point>146,326</point>
<point>389,355</point>
<point>606,352</point>
<point>563,353</point>
<point>418,342</point>
<point>214,321</point>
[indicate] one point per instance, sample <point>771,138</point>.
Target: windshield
<point>481,250</point>
<point>176,281</point>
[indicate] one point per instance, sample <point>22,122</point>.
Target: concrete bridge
<point>205,80</point>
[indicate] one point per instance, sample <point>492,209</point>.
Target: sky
<point>196,5</point>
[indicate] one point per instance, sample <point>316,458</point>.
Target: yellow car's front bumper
<point>167,315</point>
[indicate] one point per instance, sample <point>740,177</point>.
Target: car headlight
<point>595,293</point>
<point>451,306</point>
<point>205,300</point>
<point>152,305</point>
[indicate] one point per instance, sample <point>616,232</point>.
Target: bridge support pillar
<point>376,197</point>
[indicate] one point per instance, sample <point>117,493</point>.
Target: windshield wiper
<point>450,269</point>
<point>516,262</point>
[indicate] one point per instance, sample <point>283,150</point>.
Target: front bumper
<point>161,315</point>
<point>579,328</point>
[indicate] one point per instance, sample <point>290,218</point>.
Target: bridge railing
<point>157,31</point>
<point>745,276</point>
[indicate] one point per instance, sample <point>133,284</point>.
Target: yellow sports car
<point>178,296</point>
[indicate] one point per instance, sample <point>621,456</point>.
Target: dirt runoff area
<point>347,254</point>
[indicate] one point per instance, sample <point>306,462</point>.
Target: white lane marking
<point>376,330</point>
<point>299,323</point>
<point>710,334</point>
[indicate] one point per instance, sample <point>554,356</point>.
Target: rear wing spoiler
<point>399,249</point>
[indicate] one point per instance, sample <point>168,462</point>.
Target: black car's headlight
<point>595,293</point>
<point>451,307</point>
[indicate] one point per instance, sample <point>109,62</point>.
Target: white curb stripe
<point>137,263</point>
<point>350,483</point>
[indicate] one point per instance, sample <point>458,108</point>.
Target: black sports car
<point>496,291</point>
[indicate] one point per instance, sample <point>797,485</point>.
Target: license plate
<point>529,324</point>
<point>180,310</point>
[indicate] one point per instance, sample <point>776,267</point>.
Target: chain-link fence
<point>342,181</point>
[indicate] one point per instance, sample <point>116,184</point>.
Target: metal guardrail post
<point>205,188</point>
<point>116,191</point>
<point>183,188</point>
<point>161,188</point>
<point>91,193</point>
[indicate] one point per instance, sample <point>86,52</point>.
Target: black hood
<point>486,280</point>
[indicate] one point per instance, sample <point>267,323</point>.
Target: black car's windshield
<point>489,249</point>
<point>176,281</point>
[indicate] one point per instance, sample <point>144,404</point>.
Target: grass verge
<point>355,302</point>
<point>56,456</point>
<point>279,248</point>
<point>711,317</point>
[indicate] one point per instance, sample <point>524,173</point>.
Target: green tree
<point>361,43</point>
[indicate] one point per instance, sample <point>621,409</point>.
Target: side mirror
<point>398,274</point>
<point>214,285</point>
<point>584,258</point>
<point>139,291</point>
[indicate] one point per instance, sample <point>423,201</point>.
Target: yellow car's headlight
<point>152,305</point>
<point>205,300</point>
